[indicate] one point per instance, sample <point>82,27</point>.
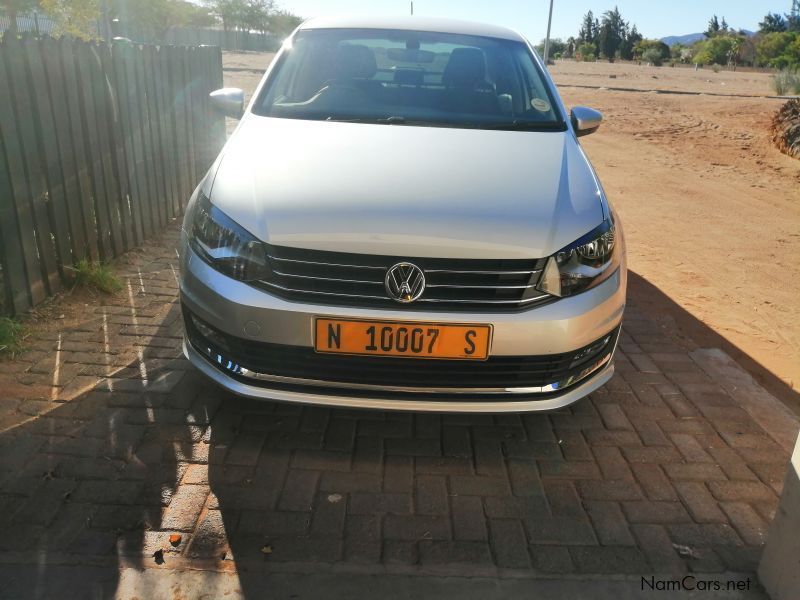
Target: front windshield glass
<point>403,77</point>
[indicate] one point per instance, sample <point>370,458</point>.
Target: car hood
<point>406,191</point>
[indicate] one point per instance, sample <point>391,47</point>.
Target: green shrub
<point>715,68</point>
<point>587,52</point>
<point>786,82</point>
<point>10,334</point>
<point>95,276</point>
<point>652,56</point>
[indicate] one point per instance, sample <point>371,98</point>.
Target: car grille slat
<point>350,279</point>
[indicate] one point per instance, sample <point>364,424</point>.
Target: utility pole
<point>547,39</point>
<point>412,9</point>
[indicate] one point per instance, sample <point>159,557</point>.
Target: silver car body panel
<point>407,191</point>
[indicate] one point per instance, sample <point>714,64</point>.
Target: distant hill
<point>686,40</point>
<point>690,38</point>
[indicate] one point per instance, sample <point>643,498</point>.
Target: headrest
<point>466,67</point>
<point>355,62</point>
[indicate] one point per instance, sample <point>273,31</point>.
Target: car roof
<point>414,24</point>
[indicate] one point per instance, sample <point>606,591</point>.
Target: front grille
<point>348,279</point>
<point>233,355</point>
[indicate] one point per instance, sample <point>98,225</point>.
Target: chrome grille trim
<point>286,289</point>
<point>544,389</point>
<point>326,278</point>
<point>351,279</point>
<point>323,264</point>
<point>471,272</point>
<point>480,287</point>
<point>525,301</point>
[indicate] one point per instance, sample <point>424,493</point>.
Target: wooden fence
<point>100,146</point>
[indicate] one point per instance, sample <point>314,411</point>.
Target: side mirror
<point>585,120</point>
<point>229,101</point>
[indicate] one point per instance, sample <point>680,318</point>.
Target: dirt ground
<point>711,209</point>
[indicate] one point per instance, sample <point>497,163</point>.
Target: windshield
<point>401,77</point>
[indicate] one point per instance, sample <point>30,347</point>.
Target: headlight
<point>224,244</point>
<point>583,264</point>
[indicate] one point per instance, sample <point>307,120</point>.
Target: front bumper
<point>421,402</point>
<point>257,318</point>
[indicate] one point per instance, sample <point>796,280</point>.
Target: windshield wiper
<point>517,125</point>
<point>393,120</point>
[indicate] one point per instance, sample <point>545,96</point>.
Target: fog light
<point>590,351</point>
<point>209,334</point>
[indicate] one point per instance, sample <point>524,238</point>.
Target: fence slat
<point>66,154</point>
<point>48,152</point>
<point>33,169</point>
<point>147,139</point>
<point>191,149</point>
<point>15,282</point>
<point>84,60</point>
<point>117,151</point>
<point>137,141</point>
<point>167,129</point>
<point>179,118</point>
<point>124,136</point>
<point>156,148</point>
<point>103,103</point>
<point>79,144</point>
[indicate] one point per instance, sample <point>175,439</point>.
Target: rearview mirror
<point>585,120</point>
<point>410,55</point>
<point>229,101</point>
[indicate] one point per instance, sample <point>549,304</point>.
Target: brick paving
<point>110,442</point>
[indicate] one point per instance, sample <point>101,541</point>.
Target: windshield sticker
<point>540,105</point>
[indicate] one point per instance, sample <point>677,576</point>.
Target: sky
<point>529,17</point>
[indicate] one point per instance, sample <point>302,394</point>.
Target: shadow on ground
<point>659,472</point>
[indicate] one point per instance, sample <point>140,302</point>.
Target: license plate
<point>411,340</point>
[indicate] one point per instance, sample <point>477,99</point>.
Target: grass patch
<point>95,276</point>
<point>785,82</point>
<point>10,334</point>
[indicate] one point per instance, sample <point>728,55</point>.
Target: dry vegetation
<point>786,128</point>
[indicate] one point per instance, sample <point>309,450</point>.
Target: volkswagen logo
<point>404,282</point>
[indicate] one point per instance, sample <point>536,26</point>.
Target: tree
<point>613,31</point>
<point>735,51</point>
<point>652,57</point>
<point>257,14</point>
<point>569,51</point>
<point>779,49</point>
<point>230,12</point>
<point>649,47</point>
<point>589,30</point>
<point>557,46</point>
<point>74,17</point>
<point>719,50</point>
<point>12,8</point>
<point>632,38</point>
<point>152,19</point>
<point>284,23</point>
<point>713,27</point>
<point>793,17</point>
<point>772,22</point>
